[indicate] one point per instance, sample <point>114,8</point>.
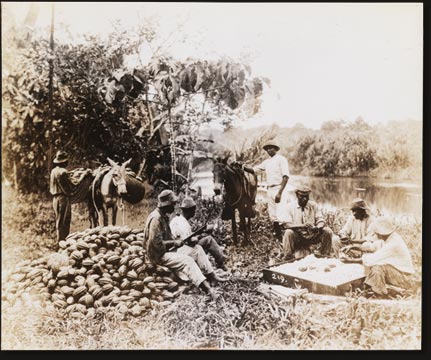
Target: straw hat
<point>382,226</point>
<point>359,203</point>
<point>61,157</point>
<point>302,189</point>
<point>270,144</point>
<point>166,198</point>
<point>187,203</point>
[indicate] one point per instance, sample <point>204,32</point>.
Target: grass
<point>242,319</point>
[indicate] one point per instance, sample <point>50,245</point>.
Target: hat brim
<point>303,192</point>
<point>56,161</point>
<point>166,203</point>
<point>359,207</point>
<point>269,146</point>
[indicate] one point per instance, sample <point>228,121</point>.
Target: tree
<point>102,109</point>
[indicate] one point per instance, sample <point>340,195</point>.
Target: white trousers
<point>277,211</point>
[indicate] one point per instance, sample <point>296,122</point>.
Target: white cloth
<point>393,252</point>
<point>275,168</point>
<point>356,229</point>
<point>311,214</point>
<point>277,211</point>
<point>180,227</point>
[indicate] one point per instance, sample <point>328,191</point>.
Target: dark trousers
<point>293,241</point>
<point>63,215</point>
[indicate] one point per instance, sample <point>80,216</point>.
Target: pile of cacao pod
<point>99,267</point>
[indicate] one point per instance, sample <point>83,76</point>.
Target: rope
<point>123,211</point>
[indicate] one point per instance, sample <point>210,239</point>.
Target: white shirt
<point>393,252</point>
<point>180,227</point>
<point>275,167</point>
<point>356,229</point>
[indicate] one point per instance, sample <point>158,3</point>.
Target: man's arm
<point>65,183</point>
<point>346,231</point>
<point>282,186</point>
<point>249,169</point>
<point>318,217</point>
<point>155,237</point>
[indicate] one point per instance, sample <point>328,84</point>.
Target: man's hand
<point>178,243</point>
<point>350,260</point>
<point>347,248</point>
<point>209,228</point>
<point>308,226</point>
<point>194,240</point>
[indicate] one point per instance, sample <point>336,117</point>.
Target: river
<point>384,196</point>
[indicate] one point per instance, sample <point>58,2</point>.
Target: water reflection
<point>387,196</point>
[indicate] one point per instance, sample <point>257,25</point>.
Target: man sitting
<point>305,228</point>
<point>181,229</point>
<point>356,229</point>
<point>162,249</point>
<point>388,263</point>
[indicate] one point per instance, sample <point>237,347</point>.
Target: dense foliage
<point>102,108</point>
<point>338,149</point>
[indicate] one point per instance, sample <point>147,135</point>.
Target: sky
<point>326,61</point>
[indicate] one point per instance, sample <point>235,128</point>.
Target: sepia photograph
<point>212,176</point>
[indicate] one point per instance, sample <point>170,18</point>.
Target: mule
<point>107,189</point>
<point>240,189</point>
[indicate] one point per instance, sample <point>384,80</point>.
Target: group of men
<point>299,225</point>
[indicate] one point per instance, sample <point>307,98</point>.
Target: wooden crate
<point>338,278</point>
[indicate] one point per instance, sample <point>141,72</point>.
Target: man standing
<point>161,247</point>
<point>61,188</point>
<point>305,227</point>
<point>388,265</point>
<point>277,175</point>
<point>181,228</point>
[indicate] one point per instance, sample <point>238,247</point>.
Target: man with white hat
<point>61,188</point>
<point>388,266</point>
<point>161,248</point>
<point>277,176</point>
<point>181,229</point>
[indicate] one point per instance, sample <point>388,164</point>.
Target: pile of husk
<point>97,268</point>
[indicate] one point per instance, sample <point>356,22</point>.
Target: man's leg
<point>63,217</point>
<point>198,255</point>
<point>272,212</point>
<point>325,239</point>
<point>210,245</point>
<point>291,243</point>
<point>184,265</point>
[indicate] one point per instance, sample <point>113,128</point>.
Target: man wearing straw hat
<point>277,175</point>
<point>61,188</point>
<point>161,248</point>
<point>356,229</point>
<point>388,266</point>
